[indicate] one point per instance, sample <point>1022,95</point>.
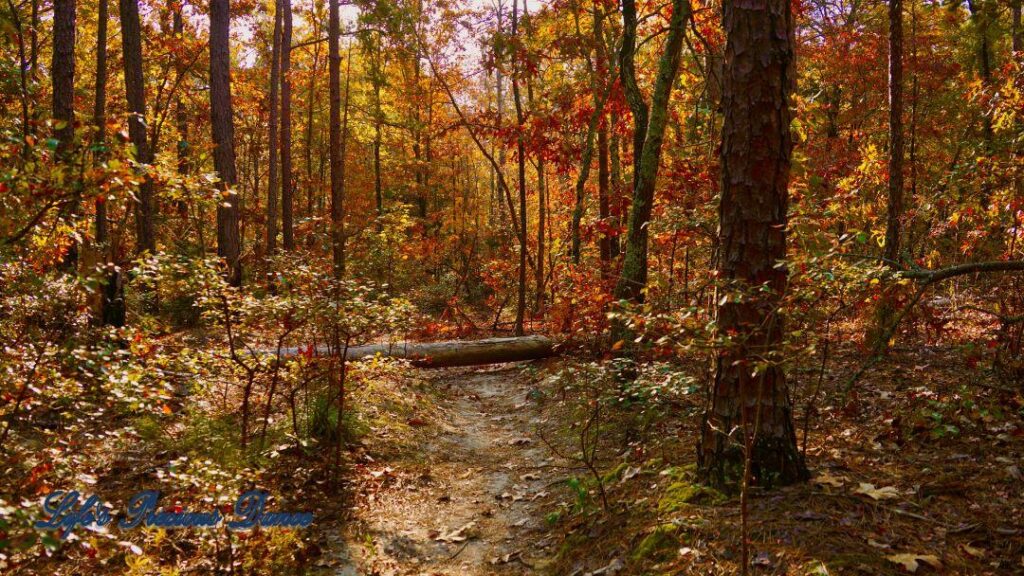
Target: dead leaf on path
<point>505,559</point>
<point>529,476</point>
<point>876,544</point>
<point>459,535</point>
<point>883,493</point>
<point>911,562</point>
<point>416,422</point>
<point>828,479</point>
<point>520,523</point>
<point>629,473</point>
<point>613,567</point>
<point>973,551</point>
<point>518,441</point>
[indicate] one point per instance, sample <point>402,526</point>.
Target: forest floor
<point>470,498</point>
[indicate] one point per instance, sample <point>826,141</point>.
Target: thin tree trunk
<point>135,92</point>
<point>287,182</point>
<point>633,279</point>
<point>627,74</point>
<point>229,244</point>
<point>1015,27</point>
<point>310,100</point>
<point>748,428</point>
<point>110,301</point>
<point>273,176</point>
<point>521,153</point>
<point>617,207</point>
<point>181,114</point>
<point>600,56</point>
<point>338,129</point>
<point>895,208</point>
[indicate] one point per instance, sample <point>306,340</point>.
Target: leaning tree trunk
<point>750,413</point>
<point>229,244</point>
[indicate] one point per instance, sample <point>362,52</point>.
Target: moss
<point>679,494</point>
<point>614,474</point>
<point>655,544</point>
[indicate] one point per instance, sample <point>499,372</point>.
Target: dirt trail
<point>477,501</point>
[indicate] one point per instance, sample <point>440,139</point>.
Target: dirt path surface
<point>472,499</point>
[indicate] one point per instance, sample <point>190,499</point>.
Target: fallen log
<point>454,352</point>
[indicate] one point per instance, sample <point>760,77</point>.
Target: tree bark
<point>110,302</point>
<point>521,153</point>
<point>273,175</point>
<point>750,415</point>
<point>229,244</point>
<point>604,244</point>
<point>135,93</point>
<point>62,76</point>
<point>287,187</point>
<point>633,279</point>
<point>337,139</point>
<point>895,208</point>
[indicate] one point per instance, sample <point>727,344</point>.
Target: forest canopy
<point>754,267</point>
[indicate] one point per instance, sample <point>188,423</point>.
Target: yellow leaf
<point>910,561</point>
<point>828,479</point>
<point>884,493</point>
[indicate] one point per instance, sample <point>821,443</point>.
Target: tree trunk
<point>110,310</point>
<point>750,415</point>
<point>337,139</point>
<point>62,75</point>
<point>521,152</point>
<point>229,246</point>
<point>273,177</point>
<point>895,209</point>
<point>181,114</point>
<point>1015,28</point>
<point>604,244</point>
<point>287,182</point>
<point>135,93</point>
<point>633,279</point>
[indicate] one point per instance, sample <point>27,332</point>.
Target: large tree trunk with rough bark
<point>62,76</point>
<point>750,414</point>
<point>229,245</point>
<point>135,93</point>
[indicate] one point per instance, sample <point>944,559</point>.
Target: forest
<point>501,287</point>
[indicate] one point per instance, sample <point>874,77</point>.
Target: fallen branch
<point>454,352</point>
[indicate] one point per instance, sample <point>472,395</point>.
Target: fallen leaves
<point>911,562</point>
<point>826,478</point>
<point>461,534</point>
<point>883,493</point>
